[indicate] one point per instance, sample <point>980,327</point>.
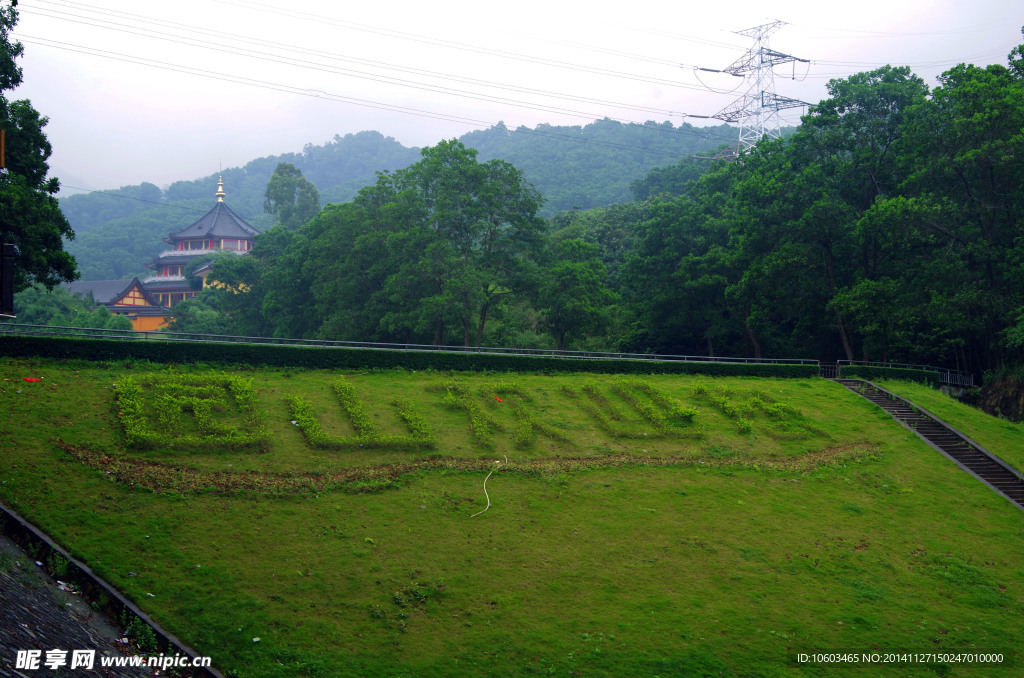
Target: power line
<point>408,36</point>
<point>332,56</point>
<point>290,61</point>
<point>322,94</point>
<point>450,44</point>
<point>226,77</point>
<point>325,95</point>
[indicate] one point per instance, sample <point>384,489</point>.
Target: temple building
<point>148,302</point>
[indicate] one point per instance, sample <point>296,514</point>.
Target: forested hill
<point>339,168</point>
<point>594,165</point>
<point>588,166</point>
<point>117,235</point>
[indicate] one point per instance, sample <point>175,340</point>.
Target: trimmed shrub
<point>876,373</point>
<point>367,434</point>
<point>169,397</point>
<point>364,358</point>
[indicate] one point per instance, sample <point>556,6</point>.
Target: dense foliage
<point>290,197</point>
<point>121,231</point>
<point>593,165</point>
<point>58,307</point>
<point>887,227</point>
<point>30,218</point>
<point>425,254</point>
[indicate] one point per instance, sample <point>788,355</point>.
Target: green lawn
<point>1003,438</point>
<point>784,517</point>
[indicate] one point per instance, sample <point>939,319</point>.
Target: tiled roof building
<point>148,302</point>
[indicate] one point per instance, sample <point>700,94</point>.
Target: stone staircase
<point>973,458</point>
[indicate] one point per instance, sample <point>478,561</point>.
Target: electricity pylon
<point>757,110</point>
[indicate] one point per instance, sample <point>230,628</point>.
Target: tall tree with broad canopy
<point>291,197</point>
<point>573,297</point>
<point>29,215</point>
<point>461,234</point>
<point>965,181</point>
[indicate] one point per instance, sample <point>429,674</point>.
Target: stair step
<point>938,434</point>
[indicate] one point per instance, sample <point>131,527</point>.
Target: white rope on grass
<point>499,465</point>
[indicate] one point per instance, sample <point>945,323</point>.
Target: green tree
<point>348,263</point>
<point>29,215</point>
<point>290,197</point>
<point>676,276</point>
<point>235,288</point>
<point>459,234</point>
<point>572,294</point>
<point>37,305</point>
<point>100,318</point>
<point>965,199</point>
<point>801,211</point>
<point>671,180</point>
<point>197,316</point>
<point>195,282</point>
<point>1016,59</point>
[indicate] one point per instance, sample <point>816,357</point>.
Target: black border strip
<point>28,536</point>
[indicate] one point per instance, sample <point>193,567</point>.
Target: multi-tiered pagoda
<point>148,302</point>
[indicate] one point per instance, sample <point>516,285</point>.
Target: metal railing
<point>828,370</point>
<point>132,335</point>
<point>948,377</point>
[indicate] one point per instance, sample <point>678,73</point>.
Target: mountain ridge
<point>572,166</point>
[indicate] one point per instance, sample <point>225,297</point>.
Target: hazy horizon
<point>163,92</point>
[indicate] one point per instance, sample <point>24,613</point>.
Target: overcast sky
<point>166,90</point>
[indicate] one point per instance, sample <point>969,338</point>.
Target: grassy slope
<point>1003,438</point>
<point>726,565</point>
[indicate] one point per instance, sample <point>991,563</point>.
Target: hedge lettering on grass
<point>158,412</point>
<point>367,434</point>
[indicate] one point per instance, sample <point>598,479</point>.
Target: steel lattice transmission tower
<point>757,110</point>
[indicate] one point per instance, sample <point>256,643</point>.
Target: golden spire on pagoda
<point>220,189</point>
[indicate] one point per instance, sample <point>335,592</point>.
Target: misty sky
<point>160,91</point>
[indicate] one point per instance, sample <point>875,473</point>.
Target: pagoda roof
<point>175,283</point>
<point>219,222</point>
<point>103,291</point>
<point>109,292</point>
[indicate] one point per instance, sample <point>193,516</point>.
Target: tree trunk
<point>707,336</point>
<point>827,255</point>
<point>439,318</point>
<point>480,327</point>
<point>438,331</point>
<point>751,337</point>
<point>842,335</point>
